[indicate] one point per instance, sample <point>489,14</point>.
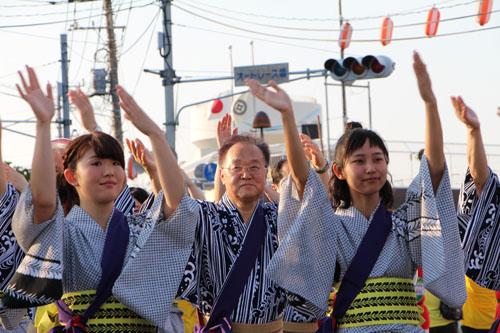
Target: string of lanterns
<point>431,26</point>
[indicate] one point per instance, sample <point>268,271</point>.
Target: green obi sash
<point>112,316</point>
<point>383,301</point>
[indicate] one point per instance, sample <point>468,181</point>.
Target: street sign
<point>261,73</point>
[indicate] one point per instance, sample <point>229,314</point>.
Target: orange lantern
<point>483,15</point>
<point>386,33</point>
<point>431,27</point>
<point>345,36</point>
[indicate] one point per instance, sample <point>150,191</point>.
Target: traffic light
<point>363,68</point>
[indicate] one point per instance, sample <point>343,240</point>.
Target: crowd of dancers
<point>321,249</point>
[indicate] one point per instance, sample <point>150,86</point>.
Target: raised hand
<point>14,177</point>
<point>81,101</point>
<point>423,79</point>
<point>41,104</point>
<point>135,114</point>
<point>277,99</point>
<point>465,113</point>
<point>142,155</point>
<point>312,151</point>
<point>224,132</point>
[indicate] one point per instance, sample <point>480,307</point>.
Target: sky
<point>203,31</point>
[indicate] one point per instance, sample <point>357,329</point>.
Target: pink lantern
<point>345,36</point>
<point>386,33</point>
<point>483,15</point>
<point>431,27</point>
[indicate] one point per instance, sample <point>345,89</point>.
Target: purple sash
<point>360,268</point>
<point>113,255</point>
<point>238,275</point>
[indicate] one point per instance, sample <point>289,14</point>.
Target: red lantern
<point>217,106</point>
<point>345,36</point>
<point>483,15</point>
<point>431,27</point>
<point>386,33</point>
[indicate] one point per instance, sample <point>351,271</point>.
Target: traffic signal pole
<point>344,104</point>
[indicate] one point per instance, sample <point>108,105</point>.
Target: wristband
<point>323,169</point>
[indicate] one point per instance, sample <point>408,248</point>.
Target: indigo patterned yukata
<point>219,236</point>
<point>10,253</point>
<point>314,238</point>
<point>479,218</point>
<point>70,249</point>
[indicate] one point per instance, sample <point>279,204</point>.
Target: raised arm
<point>315,156</point>
<point>224,132</point>
<point>43,171</point>
<point>82,102</point>
<point>433,132</point>
<point>169,173</point>
<point>279,100</point>
<point>146,160</point>
<point>14,177</point>
<point>476,155</point>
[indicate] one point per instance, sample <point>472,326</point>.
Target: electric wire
<point>321,39</point>
<point>62,21</point>
<point>145,55</point>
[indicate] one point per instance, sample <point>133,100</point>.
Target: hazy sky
<point>465,64</point>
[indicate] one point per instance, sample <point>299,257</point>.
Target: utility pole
<point>64,85</point>
<point>344,106</point>
<point>113,72</point>
<point>168,73</point>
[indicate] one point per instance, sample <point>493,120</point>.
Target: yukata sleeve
<point>304,263</point>
<point>38,279</point>
<point>479,223</point>
<point>160,249</point>
<point>289,206</point>
<point>432,231</point>
<point>8,204</point>
<point>28,234</point>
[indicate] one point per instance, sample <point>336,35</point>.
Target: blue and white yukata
<point>314,238</point>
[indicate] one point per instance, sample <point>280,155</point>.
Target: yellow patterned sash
<point>383,301</point>
<point>112,316</point>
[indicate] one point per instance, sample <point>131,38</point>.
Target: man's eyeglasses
<point>238,169</point>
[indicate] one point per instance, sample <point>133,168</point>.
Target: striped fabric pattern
<point>125,202</point>
<point>219,236</point>
<point>479,224</point>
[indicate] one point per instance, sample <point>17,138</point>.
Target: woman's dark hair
<point>276,171</point>
<point>350,141</point>
<point>104,146</point>
<point>264,148</point>
<point>139,194</point>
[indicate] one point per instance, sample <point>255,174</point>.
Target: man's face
<point>244,172</point>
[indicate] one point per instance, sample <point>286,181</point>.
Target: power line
<point>84,45</point>
<point>336,19</point>
<point>145,56</point>
<point>40,36</point>
<point>256,38</point>
<point>49,3</point>
<point>154,20</point>
<point>329,30</point>
<point>63,21</point>
<point>36,67</point>
<point>321,39</point>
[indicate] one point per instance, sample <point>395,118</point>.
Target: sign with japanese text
<point>261,73</point>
